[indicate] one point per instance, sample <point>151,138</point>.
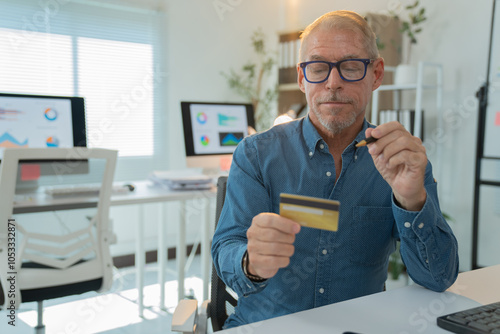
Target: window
<point>108,55</point>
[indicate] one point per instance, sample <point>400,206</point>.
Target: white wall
<point>203,40</point>
<point>200,44</point>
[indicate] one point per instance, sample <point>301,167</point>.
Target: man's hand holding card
<point>271,236</point>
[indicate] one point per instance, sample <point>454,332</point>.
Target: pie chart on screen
<point>52,142</point>
<point>205,140</point>
<point>50,114</point>
<point>202,117</point>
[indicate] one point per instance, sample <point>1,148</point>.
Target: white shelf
<point>419,87</point>
<point>405,87</point>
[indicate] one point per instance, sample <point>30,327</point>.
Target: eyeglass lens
<point>349,69</point>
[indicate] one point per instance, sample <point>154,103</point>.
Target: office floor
<point>114,312</point>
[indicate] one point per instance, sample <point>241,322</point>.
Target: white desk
<point>144,193</point>
<point>411,309</point>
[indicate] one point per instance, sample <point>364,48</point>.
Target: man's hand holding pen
<point>401,160</point>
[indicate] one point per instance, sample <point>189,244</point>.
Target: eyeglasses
<point>318,71</point>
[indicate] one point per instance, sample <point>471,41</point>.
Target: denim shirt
<point>327,267</point>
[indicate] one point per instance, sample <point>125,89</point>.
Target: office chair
<point>46,263</point>
<point>187,318</point>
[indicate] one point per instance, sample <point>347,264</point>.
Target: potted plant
<point>397,276</point>
<point>249,81</point>
<point>411,26</point>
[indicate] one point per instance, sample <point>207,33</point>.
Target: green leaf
<point>258,41</point>
<point>420,20</point>
<point>249,67</point>
<point>448,217</point>
<point>258,46</point>
<point>410,7</point>
<point>380,46</point>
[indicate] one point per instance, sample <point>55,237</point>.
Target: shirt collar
<point>312,137</point>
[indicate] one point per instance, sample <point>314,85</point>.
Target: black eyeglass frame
<point>331,65</point>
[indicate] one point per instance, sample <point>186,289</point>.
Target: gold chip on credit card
<point>310,211</point>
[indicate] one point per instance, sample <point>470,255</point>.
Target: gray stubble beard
<point>335,126</point>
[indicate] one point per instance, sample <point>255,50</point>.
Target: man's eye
<point>318,69</point>
<point>351,69</point>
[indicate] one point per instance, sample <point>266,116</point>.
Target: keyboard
<point>84,190</point>
<point>477,320</point>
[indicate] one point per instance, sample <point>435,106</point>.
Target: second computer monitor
<point>213,130</point>
<point>42,121</point>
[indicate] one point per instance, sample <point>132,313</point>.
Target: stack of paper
<point>178,180</point>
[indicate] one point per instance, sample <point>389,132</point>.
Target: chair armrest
<point>202,321</point>
<point>185,316</point>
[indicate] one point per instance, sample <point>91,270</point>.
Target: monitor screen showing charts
<point>38,121</point>
<point>212,130</point>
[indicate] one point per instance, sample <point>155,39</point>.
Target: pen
<point>366,141</point>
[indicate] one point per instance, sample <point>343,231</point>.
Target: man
<point>386,191</point>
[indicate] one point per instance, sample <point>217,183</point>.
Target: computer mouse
<point>130,187</point>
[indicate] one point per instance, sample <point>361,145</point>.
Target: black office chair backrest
<point>222,301</point>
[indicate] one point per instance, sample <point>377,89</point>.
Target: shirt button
<point>321,290</point>
<point>407,225</point>
<point>310,154</point>
<point>324,252</point>
<point>420,225</point>
<point>427,261</point>
<point>321,146</point>
<point>328,174</point>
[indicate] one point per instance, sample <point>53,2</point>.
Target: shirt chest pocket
<point>371,235</point>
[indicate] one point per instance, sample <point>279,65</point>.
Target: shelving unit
<point>289,93</point>
<point>419,87</point>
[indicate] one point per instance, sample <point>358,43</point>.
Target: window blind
<point>106,55</point>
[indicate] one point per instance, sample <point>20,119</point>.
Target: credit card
<point>310,211</point>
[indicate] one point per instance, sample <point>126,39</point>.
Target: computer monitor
<point>42,121</point>
<point>212,131</point>
<point>39,121</point>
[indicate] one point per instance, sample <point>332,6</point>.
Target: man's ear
<point>300,79</point>
<point>378,71</point>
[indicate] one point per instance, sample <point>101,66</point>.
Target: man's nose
<point>334,80</point>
